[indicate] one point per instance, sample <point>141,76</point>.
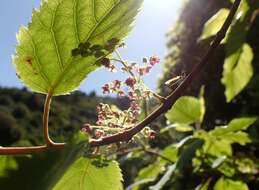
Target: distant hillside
<point>21,115</point>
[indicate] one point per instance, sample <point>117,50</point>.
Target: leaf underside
<point>238,71</point>
<point>43,58</point>
<point>186,110</point>
<point>83,175</point>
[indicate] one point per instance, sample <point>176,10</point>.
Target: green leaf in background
<point>228,184</point>
<point>44,59</point>
<point>238,71</point>
<point>84,175</point>
<point>204,186</point>
<point>227,168</point>
<point>186,110</point>
<point>166,177</point>
<point>7,163</point>
<point>170,152</point>
<point>149,173</point>
<point>178,127</point>
<point>214,146</point>
<point>247,165</point>
<point>214,24</point>
<point>188,153</point>
<point>235,125</point>
<point>233,132</point>
<point>219,140</point>
<point>216,163</point>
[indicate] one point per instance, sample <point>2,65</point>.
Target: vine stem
<point>36,149</point>
<point>172,98</point>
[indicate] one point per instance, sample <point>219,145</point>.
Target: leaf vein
<point>75,21</point>
<point>54,38</point>
<point>83,176</point>
<point>38,63</point>
<point>115,23</point>
<point>70,61</point>
<point>101,21</point>
<point>94,11</point>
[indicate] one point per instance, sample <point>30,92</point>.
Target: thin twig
<point>124,63</point>
<point>171,99</point>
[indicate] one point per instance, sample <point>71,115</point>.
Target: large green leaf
<point>44,59</point>
<point>40,171</point>
<point>213,25</point>
<point>186,110</point>
<point>238,71</point>
<point>228,184</point>
<point>51,169</point>
<point>84,175</point>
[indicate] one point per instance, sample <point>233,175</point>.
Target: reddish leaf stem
<point>47,138</point>
<point>36,149</point>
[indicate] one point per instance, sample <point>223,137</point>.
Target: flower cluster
<point>112,120</point>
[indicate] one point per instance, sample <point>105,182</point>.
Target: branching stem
<point>36,149</point>
<point>171,99</point>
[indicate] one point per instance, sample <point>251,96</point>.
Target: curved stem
<point>172,98</point>
<point>47,138</point>
<point>36,149</point>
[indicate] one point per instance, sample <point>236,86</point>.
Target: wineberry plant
<point>68,39</point>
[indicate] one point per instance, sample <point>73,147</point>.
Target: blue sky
<point>146,39</point>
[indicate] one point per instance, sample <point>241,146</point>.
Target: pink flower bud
<point>106,62</point>
<point>106,89</point>
<point>121,94</point>
<point>132,95</point>
<point>116,85</point>
<point>130,82</point>
<point>154,60</point>
<point>152,135</point>
<point>141,71</point>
